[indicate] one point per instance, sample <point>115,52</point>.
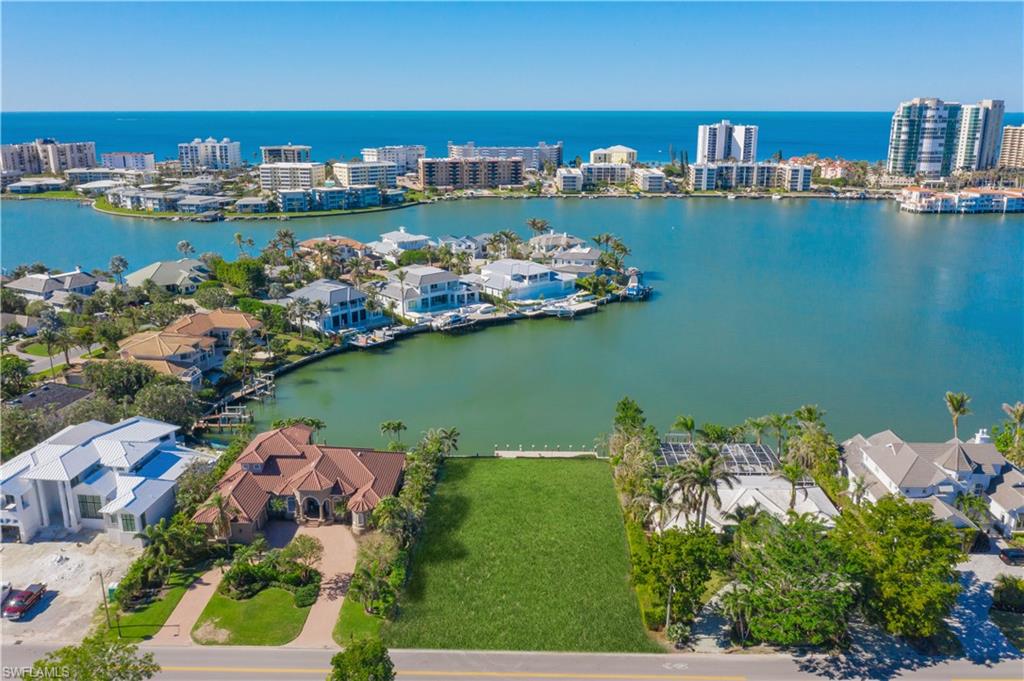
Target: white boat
<point>777,197</point>
<point>560,310</point>
<point>731,197</point>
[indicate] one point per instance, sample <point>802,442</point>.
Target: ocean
<point>340,135</point>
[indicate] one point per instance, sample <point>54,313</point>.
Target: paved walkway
<point>178,629</point>
<point>337,565</point>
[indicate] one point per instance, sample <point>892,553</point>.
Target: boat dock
<point>543,454</point>
<point>227,418</point>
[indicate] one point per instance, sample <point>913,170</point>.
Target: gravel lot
<point>70,570</point>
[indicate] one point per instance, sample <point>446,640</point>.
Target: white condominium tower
<point>1012,154</point>
<point>977,144</point>
<point>406,157</point>
<point>725,141</point>
<point>933,138</point>
<point>534,158</point>
<point>47,156</point>
<point>209,154</point>
<point>286,153</point>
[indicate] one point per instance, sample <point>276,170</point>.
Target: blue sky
<point>604,56</point>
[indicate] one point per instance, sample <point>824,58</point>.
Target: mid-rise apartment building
<point>293,175</point>
<point>406,157</point>
<point>534,158</point>
<point>569,179</point>
<point>649,180</point>
<point>46,156</point>
<point>724,141</point>
<point>129,160</point>
<point>732,175</point>
<point>209,154</point>
<point>286,153</point>
<point>595,174</point>
<point>377,173</point>
<point>613,154</point>
<point>470,173</point>
<point>1012,154</point>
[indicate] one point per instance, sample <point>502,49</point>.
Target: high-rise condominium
<point>933,138</point>
<point>1012,154</point>
<point>725,141</point>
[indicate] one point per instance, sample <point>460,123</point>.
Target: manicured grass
<point>269,618</point>
<point>103,204</point>
<point>1011,624</point>
<point>55,194</point>
<point>354,624</point>
<point>37,349</point>
<point>522,555</point>
<point>145,623</point>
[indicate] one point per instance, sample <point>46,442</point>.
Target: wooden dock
<point>227,418</point>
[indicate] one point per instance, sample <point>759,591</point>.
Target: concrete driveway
<point>982,640</point>
<point>337,566</point>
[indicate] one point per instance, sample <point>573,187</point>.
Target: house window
<point>8,499</point>
<point>113,519</point>
<point>128,522</point>
<point>89,505</point>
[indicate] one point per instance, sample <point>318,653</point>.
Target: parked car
<point>20,602</point>
<point>5,591</point>
<point>1012,556</point>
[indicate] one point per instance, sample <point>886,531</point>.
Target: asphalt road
<point>216,663</point>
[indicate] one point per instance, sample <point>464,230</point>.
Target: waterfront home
<point>523,280</point>
<point>44,285</point>
<point>544,245</point>
<point>392,244</point>
<point>426,289</point>
<point>757,487</point>
<point>937,473</point>
<point>284,470</point>
<point>181,350</point>
<point>569,179</point>
<point>345,247</point>
<point>181,276</point>
<point>252,204</point>
<point>131,198</point>
<point>18,323</point>
<point>576,260</point>
<point>217,324</point>
<point>344,306</point>
<point>35,185</point>
<point>475,246</point>
<point>616,153</point>
<point>115,478</point>
<point>976,200</point>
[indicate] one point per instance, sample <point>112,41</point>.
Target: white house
<point>427,289</point>
<point>345,306</point>
<point>393,244</point>
<point>937,473</point>
<point>43,285</point>
<point>476,246</point>
<point>174,276</point>
<point>523,279</point>
<point>116,478</point>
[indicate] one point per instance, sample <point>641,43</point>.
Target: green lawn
<point>354,624</point>
<point>1011,624</point>
<point>522,555</point>
<point>54,194</point>
<point>145,623</point>
<point>37,349</point>
<point>269,618</point>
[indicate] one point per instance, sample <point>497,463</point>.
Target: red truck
<point>20,602</point>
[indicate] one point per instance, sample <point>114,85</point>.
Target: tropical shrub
<point>1008,593</point>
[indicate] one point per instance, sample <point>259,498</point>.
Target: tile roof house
<point>309,482</point>
<point>347,248</point>
<point>116,478</point>
<point>546,244</point>
<point>937,473</point>
<point>174,276</point>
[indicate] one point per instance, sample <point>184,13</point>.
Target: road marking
<point>446,674</point>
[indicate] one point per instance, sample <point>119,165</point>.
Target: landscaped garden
<point>270,618</point>
<point>145,621</point>
<point>521,555</point>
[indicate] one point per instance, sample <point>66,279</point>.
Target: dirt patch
<point>211,633</point>
<point>71,569</point>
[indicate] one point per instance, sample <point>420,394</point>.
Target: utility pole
<point>106,607</point>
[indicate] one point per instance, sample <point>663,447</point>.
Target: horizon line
<point>523,111</point>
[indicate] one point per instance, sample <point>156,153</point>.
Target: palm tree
<point>118,265</point>
<point>701,477</point>
<point>780,424</point>
<point>243,344</point>
<point>160,545</point>
<point>449,440</point>
<point>957,403</point>
<point>758,427</point>
<point>394,427</point>
<point>602,240</point>
<point>48,337</point>
<point>661,503</point>
<point>221,506</point>
<point>1016,414</point>
<point>320,309</point>
<point>241,242</point>
<point>185,248</point>
<point>537,225</point>
<point>63,342</point>
<point>685,424</point>
<point>792,473</point>
<point>858,489</point>
<point>741,514</point>
<point>286,238</point>
<point>402,275</point>
<point>462,260</point>
<point>808,414</point>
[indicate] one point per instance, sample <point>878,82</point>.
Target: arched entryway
<point>326,512</point>
<point>310,508</point>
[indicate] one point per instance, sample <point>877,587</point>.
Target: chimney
<point>982,437</point>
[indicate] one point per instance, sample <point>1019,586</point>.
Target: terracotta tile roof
<point>247,499</point>
<point>204,323</point>
<point>290,462</point>
<point>160,344</point>
<point>310,244</point>
<point>163,366</point>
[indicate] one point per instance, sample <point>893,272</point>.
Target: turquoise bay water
<point>761,306</point>
<point>341,134</point>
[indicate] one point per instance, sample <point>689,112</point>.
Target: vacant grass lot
<point>522,555</point>
<point>1011,624</point>
<point>145,622</point>
<point>269,618</point>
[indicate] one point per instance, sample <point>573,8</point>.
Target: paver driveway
<point>178,628</point>
<point>337,565</point>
